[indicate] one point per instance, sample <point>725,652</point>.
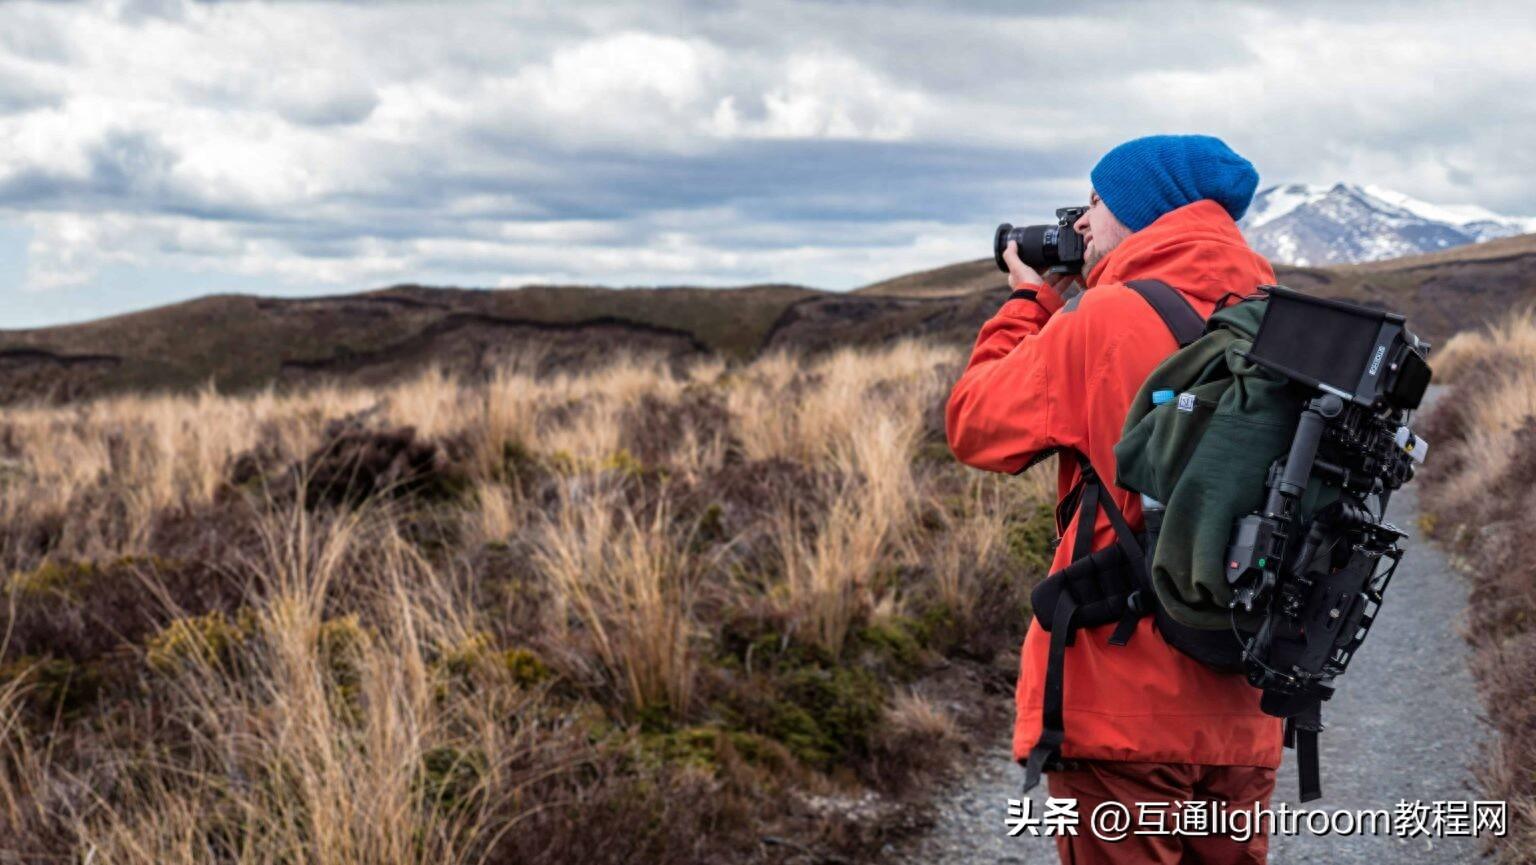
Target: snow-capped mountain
<point>1301,223</point>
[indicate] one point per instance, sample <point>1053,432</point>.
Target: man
<point>1142,721</point>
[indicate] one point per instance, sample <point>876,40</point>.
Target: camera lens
<point>1042,247</point>
<point>1037,246</point>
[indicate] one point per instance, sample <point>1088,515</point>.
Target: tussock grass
<point>978,533</point>
<point>919,717</point>
<point>311,744</point>
<point>22,766</point>
<point>627,582</point>
<point>465,621</point>
<point>1477,502</point>
<point>1511,341</point>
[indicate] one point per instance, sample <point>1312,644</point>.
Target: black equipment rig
<point>1320,583</point>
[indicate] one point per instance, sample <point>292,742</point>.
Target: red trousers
<point>1094,782</point>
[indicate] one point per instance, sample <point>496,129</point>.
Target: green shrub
<point>54,685</point>
<point>451,779</point>
<point>210,639</point>
<point>1031,536</point>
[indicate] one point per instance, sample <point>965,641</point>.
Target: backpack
<point>1210,456</point>
<point>1205,456</point>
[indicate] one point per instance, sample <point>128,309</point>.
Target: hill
<point>238,342</point>
<point>948,281</point>
<point>1441,293</point>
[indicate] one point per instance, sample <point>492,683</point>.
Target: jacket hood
<point>1197,248</point>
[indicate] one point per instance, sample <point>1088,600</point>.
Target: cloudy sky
<point>155,151</point>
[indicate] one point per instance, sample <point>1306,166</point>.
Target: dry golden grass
<point>21,766</point>
<point>1506,397</point>
<point>1475,500</point>
<point>310,742</point>
<point>415,677</point>
<point>497,513</point>
<point>794,409</point>
<point>831,572</point>
<point>923,720</point>
<point>975,534</point>
<point>147,455</point>
<point>1510,341</point>
<point>628,582</point>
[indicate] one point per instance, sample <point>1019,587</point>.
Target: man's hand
<point>1021,275</point>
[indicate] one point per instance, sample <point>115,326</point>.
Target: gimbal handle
<point>1284,495</point>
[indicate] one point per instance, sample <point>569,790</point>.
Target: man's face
<point>1101,231</point>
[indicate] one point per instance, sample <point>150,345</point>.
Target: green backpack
<point>1206,455</point>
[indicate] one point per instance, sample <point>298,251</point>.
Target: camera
<point>1318,583</point>
<point>1054,248</point>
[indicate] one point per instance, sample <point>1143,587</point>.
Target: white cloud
<point>612,71</point>
<point>825,96</point>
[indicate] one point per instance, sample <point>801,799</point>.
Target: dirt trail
<point>1404,725</point>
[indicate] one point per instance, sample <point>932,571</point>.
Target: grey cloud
<point>130,165</point>
<point>337,108</point>
<point>35,39</point>
<point>138,11</point>
<point>127,172</point>
<point>25,190</point>
<point>18,95</point>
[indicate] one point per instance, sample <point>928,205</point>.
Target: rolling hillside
<point>237,341</point>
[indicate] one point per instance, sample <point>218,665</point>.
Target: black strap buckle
<point>1127,626</point>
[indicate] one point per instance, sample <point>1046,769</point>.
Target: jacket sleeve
<point>1024,390</point>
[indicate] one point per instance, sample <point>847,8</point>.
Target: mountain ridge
<point>1306,224</point>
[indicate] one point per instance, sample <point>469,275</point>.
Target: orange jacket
<point>1041,378</point>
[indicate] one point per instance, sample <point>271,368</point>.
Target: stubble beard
<point>1095,253</point>
<point>1091,257</point>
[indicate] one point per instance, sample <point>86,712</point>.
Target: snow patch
<point>1276,201</point>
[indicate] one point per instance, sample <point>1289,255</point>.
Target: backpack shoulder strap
<point>1175,311</point>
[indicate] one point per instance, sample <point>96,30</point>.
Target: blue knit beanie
<point>1145,178</point>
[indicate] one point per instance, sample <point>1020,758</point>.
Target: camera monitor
<point>1355,352</point>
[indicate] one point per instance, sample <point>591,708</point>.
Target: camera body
<point>1318,583</point>
<point>1046,248</point>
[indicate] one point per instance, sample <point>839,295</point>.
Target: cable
<point>1247,655</point>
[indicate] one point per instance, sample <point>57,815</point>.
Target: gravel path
<point>1403,725</point>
